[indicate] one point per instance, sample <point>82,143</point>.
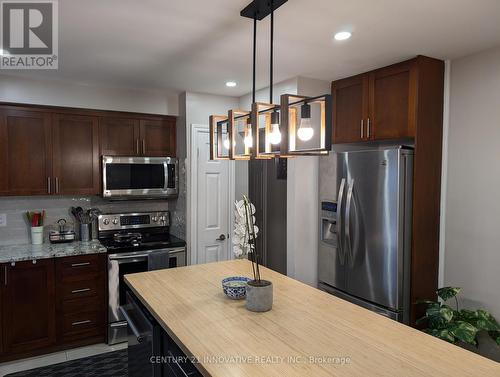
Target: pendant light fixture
<point>266,116</point>
<point>298,126</point>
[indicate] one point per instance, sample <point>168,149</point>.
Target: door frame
<point>192,194</point>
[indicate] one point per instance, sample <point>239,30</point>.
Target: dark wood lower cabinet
<point>51,305</point>
<point>81,298</point>
<point>29,320</point>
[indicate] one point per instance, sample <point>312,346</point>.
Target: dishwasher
<point>144,339</point>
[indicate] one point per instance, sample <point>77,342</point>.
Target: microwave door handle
<point>339,221</point>
<point>348,221</point>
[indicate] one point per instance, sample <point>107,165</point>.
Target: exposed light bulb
<point>305,131</point>
<point>248,140</point>
<point>275,135</point>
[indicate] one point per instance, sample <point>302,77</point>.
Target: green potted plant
<point>464,327</point>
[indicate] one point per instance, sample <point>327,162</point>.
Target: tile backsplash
<point>17,230</point>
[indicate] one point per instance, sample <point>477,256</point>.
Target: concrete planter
<point>487,347</point>
<point>259,296</point>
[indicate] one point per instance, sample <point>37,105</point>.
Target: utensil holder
<point>85,232</point>
<point>36,235</point>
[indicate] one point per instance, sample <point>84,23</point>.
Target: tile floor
<point>57,357</point>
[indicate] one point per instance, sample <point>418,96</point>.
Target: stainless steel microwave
<point>140,177</point>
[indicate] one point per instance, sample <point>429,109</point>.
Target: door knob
<point>222,237</point>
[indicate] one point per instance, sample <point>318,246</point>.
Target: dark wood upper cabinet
<point>119,136</point>
<point>28,306</point>
<point>392,101</point>
<point>75,154</point>
<point>25,163</point>
<point>46,150</point>
<point>350,109</point>
<point>158,137</point>
<point>378,105</point>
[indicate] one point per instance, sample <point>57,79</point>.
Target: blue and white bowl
<point>235,287</point>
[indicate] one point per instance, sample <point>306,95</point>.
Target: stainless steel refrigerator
<point>365,229</point>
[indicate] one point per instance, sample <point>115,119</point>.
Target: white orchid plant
<point>245,233</point>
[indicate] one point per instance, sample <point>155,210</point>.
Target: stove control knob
<point>115,221</point>
<point>154,219</point>
<point>105,221</point>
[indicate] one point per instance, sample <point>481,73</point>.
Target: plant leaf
<point>487,325</point>
<point>465,332</point>
<point>439,315</point>
<point>446,293</point>
<point>467,315</point>
<point>443,334</point>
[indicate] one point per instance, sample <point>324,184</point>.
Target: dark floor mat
<point>110,364</point>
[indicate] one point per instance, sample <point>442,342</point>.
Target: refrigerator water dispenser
<point>329,223</point>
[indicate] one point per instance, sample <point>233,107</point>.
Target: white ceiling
<point>198,45</point>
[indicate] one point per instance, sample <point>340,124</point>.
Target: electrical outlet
<point>3,219</point>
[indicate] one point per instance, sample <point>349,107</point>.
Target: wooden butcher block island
<point>307,333</point>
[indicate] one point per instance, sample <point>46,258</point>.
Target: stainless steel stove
<point>136,242</point>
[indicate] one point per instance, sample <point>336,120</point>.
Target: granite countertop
<point>18,253</point>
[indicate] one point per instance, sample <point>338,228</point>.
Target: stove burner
<point>133,239</point>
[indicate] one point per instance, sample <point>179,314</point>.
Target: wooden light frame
<point>216,137</point>
<point>232,116</point>
<point>289,104</point>
<point>259,109</point>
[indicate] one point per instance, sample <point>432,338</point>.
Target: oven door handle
<point>136,332</point>
<point>122,257</point>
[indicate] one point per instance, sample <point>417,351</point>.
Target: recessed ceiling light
<point>230,84</point>
<point>342,35</point>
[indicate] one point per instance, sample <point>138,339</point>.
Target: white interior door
<point>212,203</point>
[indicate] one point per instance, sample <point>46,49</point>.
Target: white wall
<point>60,93</point>
<point>472,243</point>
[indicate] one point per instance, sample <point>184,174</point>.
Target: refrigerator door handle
<point>339,222</point>
<point>348,222</point>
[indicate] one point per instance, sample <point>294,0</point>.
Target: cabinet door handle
<point>143,146</point>
<point>81,322</point>
<point>368,128</point>
<point>57,185</point>
<point>137,146</point>
<point>362,129</point>
<point>80,264</point>
<point>48,185</point>
<point>5,273</point>
<point>80,290</point>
